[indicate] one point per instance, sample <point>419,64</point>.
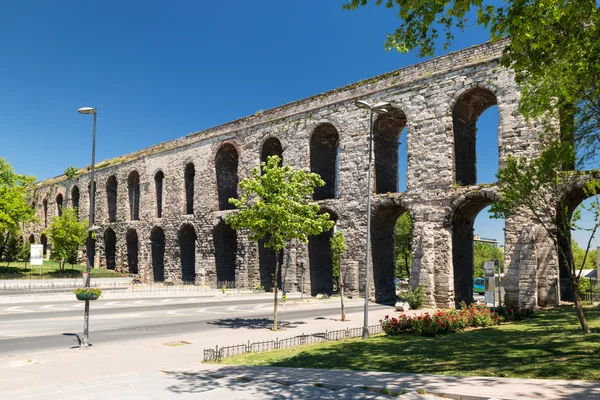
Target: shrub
<point>414,298</point>
<point>441,322</point>
<point>88,290</point>
<point>513,313</point>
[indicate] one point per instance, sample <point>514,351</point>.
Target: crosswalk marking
<point>17,309</point>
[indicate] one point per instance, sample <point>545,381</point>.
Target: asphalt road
<point>28,328</point>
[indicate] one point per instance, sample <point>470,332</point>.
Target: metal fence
<point>219,353</point>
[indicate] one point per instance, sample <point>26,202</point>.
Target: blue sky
<point>165,69</point>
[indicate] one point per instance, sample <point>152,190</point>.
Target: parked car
<point>479,286</point>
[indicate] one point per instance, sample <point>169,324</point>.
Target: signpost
<point>490,292</point>
<point>36,256</point>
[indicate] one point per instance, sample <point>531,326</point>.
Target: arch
<point>225,242</point>
<point>463,217</point>
<point>133,184</point>
<point>324,146</point>
<point>271,147</point>
<point>44,243</point>
<point>75,199</point>
<point>32,238</point>
<point>267,263</point>
<point>131,238</point>
<point>111,198</point>
<point>158,187</point>
<point>467,109</point>
<point>383,250</point>
<point>187,247</point>
<point>189,174</point>
<point>59,204</point>
<point>157,239</point>
<point>320,259</point>
<point>45,210</point>
<point>110,248</point>
<point>386,135</point>
<point>226,166</point>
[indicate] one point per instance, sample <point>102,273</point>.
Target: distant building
<point>493,242</point>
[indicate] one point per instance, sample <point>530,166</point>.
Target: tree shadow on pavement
<point>253,323</point>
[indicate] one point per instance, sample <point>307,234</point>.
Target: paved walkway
<point>171,368</point>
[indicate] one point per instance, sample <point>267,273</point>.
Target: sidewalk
<point>171,368</point>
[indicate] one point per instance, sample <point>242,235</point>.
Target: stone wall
<point>438,101</point>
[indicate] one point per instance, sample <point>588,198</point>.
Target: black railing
<point>219,353</point>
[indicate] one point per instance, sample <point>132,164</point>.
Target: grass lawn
<point>549,346</point>
<point>50,270</point>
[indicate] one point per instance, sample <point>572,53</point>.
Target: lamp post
<point>377,108</point>
<point>91,229</point>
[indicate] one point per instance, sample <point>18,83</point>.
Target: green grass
<point>50,270</point>
<point>549,346</point>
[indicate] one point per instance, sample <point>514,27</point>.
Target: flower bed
<point>441,322</point>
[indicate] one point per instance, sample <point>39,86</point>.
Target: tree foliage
<point>338,248</point>
<point>538,189</point>
<point>67,235</point>
<point>277,205</point>
<point>483,252</point>
<point>554,49</point>
<point>581,258</point>
<point>14,208</point>
<point>70,172</point>
<point>403,241</point>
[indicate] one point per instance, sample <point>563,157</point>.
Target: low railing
<point>218,353</point>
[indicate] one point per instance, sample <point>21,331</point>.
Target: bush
<point>414,298</point>
<point>513,313</point>
<point>441,322</point>
<point>88,291</point>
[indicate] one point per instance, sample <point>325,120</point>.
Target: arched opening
<point>465,115</point>
<point>45,209</point>
<point>226,165</point>
<point>271,147</point>
<point>158,185</point>
<point>157,237</point>
<point>189,175</point>
<point>75,199</point>
<point>31,239</point>
<point>386,252</point>
<point>111,198</point>
<point>59,204</point>
<point>44,243</point>
<point>324,144</point>
<point>267,259</point>
<point>132,250</point>
<point>110,248</point>
<point>187,248</point>
<point>225,242</point>
<point>463,247</point>
<point>320,258</point>
<point>133,183</point>
<point>387,131</point>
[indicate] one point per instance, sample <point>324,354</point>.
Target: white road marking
<point>51,307</point>
<point>112,303</point>
<point>16,308</point>
<point>139,302</point>
<point>203,310</point>
<point>166,300</point>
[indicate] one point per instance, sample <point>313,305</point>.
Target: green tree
<point>14,208</point>
<point>70,172</point>
<point>403,246</point>
<point>67,235</point>
<point>338,248</point>
<point>538,190</point>
<point>277,205</point>
<point>579,255</point>
<point>554,49</point>
<point>483,252</point>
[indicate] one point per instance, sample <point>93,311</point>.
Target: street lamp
<point>377,108</point>
<point>91,229</point>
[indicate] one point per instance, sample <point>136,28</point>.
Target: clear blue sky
<point>157,71</point>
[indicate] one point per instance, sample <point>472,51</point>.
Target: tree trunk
<point>341,285</point>
<point>579,308</point>
<point>406,265</point>
<point>277,267</point>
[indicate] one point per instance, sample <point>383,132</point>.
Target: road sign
<point>37,254</point>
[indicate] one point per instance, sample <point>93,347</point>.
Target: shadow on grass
<point>549,346</point>
<point>253,323</point>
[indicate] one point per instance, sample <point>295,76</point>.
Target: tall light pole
<point>88,263</point>
<point>377,108</point>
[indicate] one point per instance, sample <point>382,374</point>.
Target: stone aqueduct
<point>162,209</point>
